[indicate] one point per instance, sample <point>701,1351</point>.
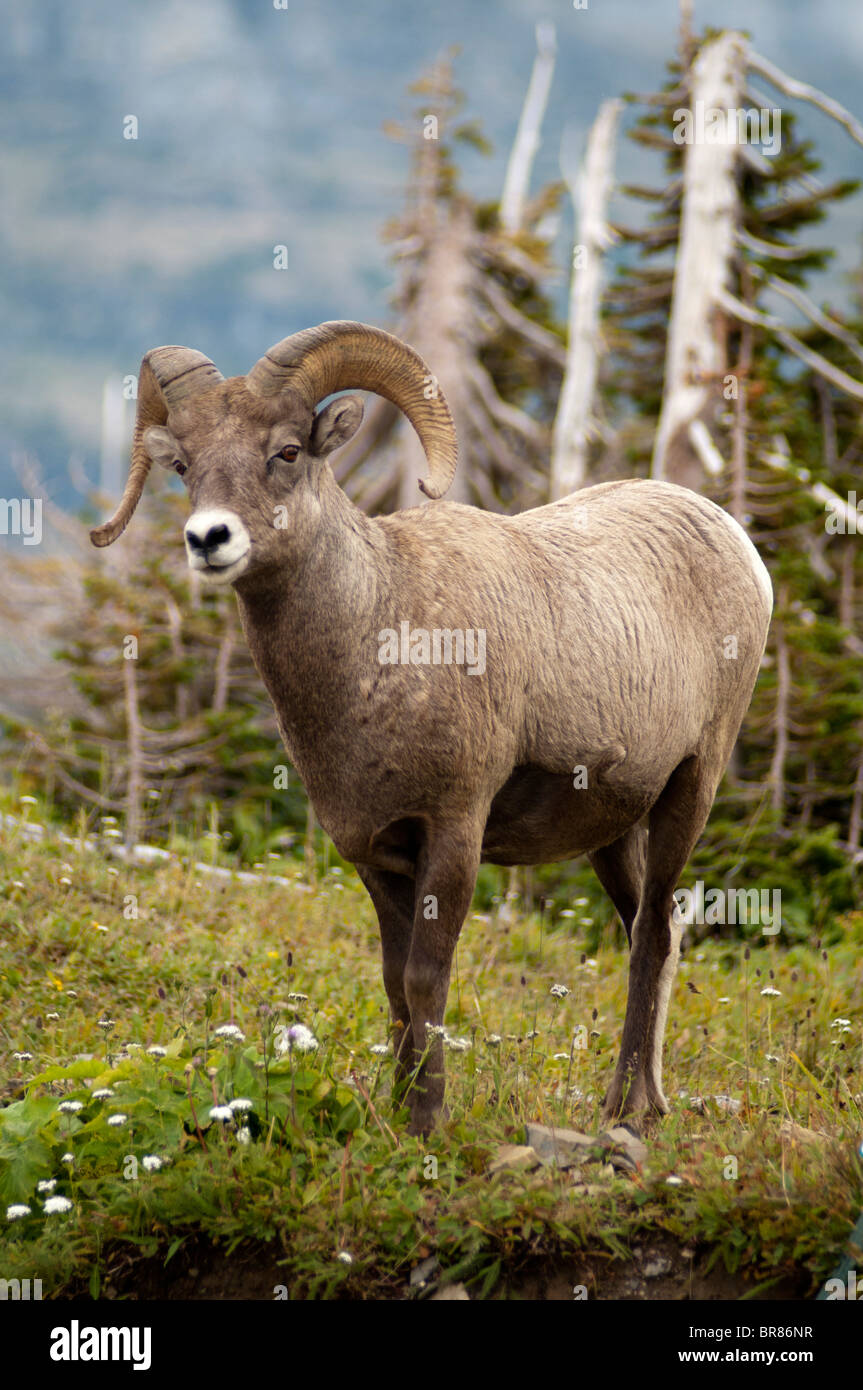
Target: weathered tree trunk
<point>589,191</point>
<point>438,326</point>
<point>518,170</point>
<point>695,354</point>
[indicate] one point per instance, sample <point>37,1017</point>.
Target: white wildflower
<point>103,1093</point>
<point>57,1204</point>
<point>151,1163</point>
<point>69,1107</point>
<point>297,1038</point>
<point>118,1119</point>
<point>46,1185</point>
<point>345,1257</point>
<point>240,1103</point>
<point>16,1211</point>
<point>230,1030</point>
<point>221,1112</point>
<point>559,991</point>
<point>771,993</point>
<point>156,1051</point>
<point>244,1135</point>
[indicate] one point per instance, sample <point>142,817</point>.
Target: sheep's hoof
<point>642,1099</point>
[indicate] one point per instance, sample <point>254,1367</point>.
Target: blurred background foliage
<point>150,715</point>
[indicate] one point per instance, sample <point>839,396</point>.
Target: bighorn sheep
<point>623,630</point>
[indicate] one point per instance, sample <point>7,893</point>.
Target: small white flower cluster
<point>230,1114</point>
<point>559,991</point>
<point>231,1032</point>
<point>297,1038</point>
<point>52,1206</point>
<point>436,1030</point>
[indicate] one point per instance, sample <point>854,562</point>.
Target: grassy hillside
<point>116,981</point>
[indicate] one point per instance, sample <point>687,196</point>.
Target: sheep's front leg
<point>675,823</point>
<point>393,896</point>
<point>446,876</point>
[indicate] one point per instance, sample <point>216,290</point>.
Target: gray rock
<point>421,1273</point>
<point>514,1157</point>
<point>622,1137</point>
<point>565,1147</point>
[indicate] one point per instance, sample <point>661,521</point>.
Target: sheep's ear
<point>162,446</point>
<point>335,425</point>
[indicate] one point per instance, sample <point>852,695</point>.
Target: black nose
<point>217,535</point>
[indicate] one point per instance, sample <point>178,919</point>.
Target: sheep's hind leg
<point>676,821</point>
<point>620,869</point>
<point>393,897</point>
<point>446,876</point>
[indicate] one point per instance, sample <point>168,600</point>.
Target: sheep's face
<point>254,470</point>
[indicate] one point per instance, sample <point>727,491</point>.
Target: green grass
<point>328,1167</point>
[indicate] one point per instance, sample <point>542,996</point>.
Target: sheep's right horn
<point>168,376</point>
<point>343,355</point>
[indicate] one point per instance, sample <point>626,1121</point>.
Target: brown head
<point>252,450</point>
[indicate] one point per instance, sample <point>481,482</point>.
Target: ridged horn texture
<point>168,376</point>
<point>343,356</point>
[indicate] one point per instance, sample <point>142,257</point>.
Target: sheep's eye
<point>179,467</point>
<point>289,453</point>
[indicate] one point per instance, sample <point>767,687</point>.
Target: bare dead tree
<point>589,189</point>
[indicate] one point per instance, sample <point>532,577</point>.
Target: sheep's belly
<point>538,817</point>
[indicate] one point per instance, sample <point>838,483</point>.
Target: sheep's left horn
<point>168,376</point>
<point>342,356</point>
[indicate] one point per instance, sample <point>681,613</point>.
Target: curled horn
<point>168,376</point>
<point>343,355</point>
